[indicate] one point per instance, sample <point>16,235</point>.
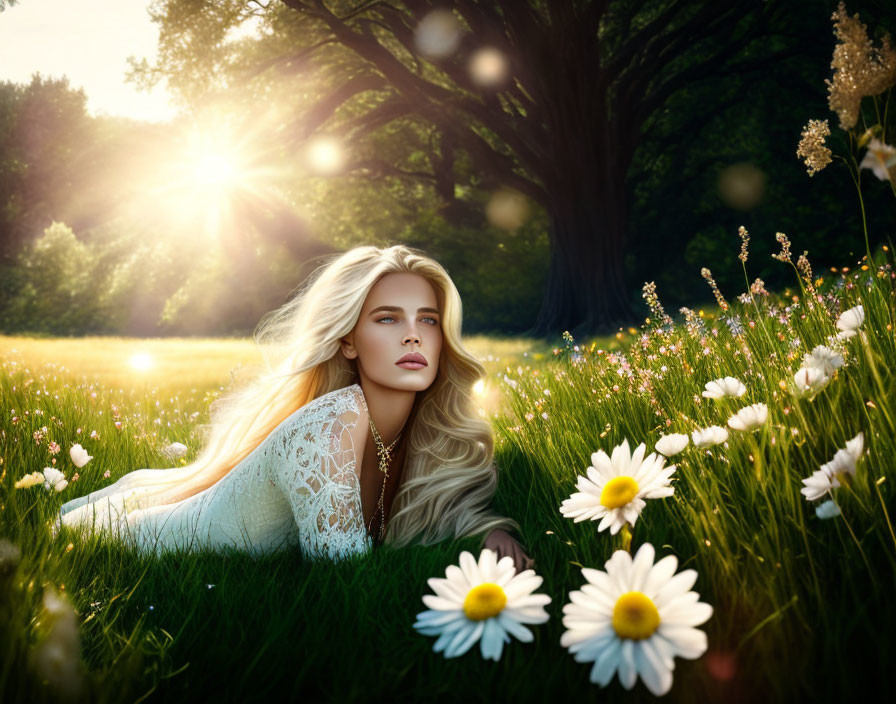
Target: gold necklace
<point>385,457</point>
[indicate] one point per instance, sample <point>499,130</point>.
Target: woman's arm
<point>503,544</point>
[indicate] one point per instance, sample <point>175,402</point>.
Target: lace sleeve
<point>317,476</point>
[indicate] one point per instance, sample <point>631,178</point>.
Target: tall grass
<point>789,589</point>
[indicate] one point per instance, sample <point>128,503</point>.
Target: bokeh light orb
<point>326,156</point>
<point>479,387</point>
<point>742,186</point>
<point>488,67</point>
<point>507,209</point>
<point>141,361</point>
<point>438,34</point>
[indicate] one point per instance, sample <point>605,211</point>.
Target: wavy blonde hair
<point>449,476</point>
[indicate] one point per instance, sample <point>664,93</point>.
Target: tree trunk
<point>586,291</point>
<point>586,201</point>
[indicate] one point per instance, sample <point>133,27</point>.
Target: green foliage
<point>43,127</point>
<point>500,274</point>
<point>56,290</point>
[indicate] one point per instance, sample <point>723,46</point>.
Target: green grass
<point>803,607</point>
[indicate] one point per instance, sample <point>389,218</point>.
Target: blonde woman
<point>362,432</point>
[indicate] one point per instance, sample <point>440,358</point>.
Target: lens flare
<point>326,156</point>
<point>438,34</point>
<point>488,67</point>
<point>741,186</point>
<point>507,209</point>
<point>141,361</point>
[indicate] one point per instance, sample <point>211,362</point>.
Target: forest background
<point>102,234</point>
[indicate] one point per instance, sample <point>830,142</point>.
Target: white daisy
<point>823,358</point>
<point>850,321</point>
<point>481,600</point>
<point>828,509</point>
<point>810,380</point>
<point>79,455</point>
<point>672,444</point>
<point>635,618</point>
<point>728,386</point>
<point>616,487</point>
<point>819,484</point>
<point>707,437</point>
<point>749,418</point>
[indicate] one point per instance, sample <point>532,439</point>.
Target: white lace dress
<point>299,487</point>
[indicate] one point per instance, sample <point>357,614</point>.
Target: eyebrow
<point>401,310</point>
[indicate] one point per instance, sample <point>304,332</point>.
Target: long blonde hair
<point>449,477</point>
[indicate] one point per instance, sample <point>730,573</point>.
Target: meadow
<point>802,599</point>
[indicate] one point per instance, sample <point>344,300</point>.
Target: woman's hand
<point>503,544</point>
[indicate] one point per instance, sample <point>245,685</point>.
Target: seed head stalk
<point>759,316</point>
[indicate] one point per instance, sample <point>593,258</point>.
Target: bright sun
<point>215,178</point>
<point>200,178</point>
<point>215,169</point>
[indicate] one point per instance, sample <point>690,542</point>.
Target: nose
<point>412,339</point>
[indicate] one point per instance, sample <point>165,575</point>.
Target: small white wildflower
<point>728,386</point>
<point>749,418</point>
<point>175,450</point>
<point>79,455</point>
<point>54,479</point>
<point>671,444</point>
<point>850,321</point>
<point>819,484</point>
<point>707,437</point>
<point>880,158</point>
<point>823,358</point>
<point>810,380</point>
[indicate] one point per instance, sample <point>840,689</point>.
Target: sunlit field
<point>801,591</point>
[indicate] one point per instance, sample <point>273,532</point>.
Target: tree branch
<point>708,68</point>
<point>323,109</point>
<point>641,41</point>
<point>430,100</point>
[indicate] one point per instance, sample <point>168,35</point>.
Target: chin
<point>418,382</point>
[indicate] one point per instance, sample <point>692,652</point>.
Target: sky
<point>88,41</point>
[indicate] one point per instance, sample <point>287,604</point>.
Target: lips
<point>416,358</point>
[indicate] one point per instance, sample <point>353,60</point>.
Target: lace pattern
<point>298,487</point>
<point>316,470</point>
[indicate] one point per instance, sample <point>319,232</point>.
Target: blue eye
<point>389,317</point>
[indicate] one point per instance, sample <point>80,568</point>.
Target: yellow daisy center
<point>635,616</point>
<point>484,601</point>
<point>618,492</point>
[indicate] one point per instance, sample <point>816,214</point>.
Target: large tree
<point>586,80</point>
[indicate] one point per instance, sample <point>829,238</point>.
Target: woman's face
<point>400,316</point>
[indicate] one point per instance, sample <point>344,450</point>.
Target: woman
<point>364,432</point>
